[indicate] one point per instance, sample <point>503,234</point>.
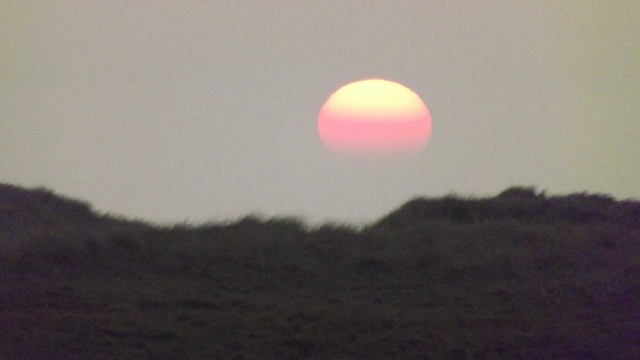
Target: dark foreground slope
<point>517,276</point>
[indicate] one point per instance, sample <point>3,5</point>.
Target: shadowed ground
<point>518,276</point>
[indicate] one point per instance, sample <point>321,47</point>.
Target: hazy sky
<point>196,110</point>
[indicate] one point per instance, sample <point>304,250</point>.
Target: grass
<point>517,276</point>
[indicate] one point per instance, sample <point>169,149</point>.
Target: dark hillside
<point>519,204</point>
<point>521,275</point>
<point>21,208</point>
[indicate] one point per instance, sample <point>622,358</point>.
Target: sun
<point>373,118</point>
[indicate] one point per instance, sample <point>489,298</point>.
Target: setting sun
<point>374,118</point>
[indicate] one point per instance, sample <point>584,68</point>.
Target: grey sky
<point>198,110</point>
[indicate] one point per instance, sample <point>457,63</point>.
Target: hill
<point>519,275</point>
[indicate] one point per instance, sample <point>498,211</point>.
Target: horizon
<point>169,113</point>
<point>472,212</point>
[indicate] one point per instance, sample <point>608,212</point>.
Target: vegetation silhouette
<point>521,275</point>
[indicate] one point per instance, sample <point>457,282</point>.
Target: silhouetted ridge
<point>519,204</point>
<point>520,272</point>
<point>29,208</point>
